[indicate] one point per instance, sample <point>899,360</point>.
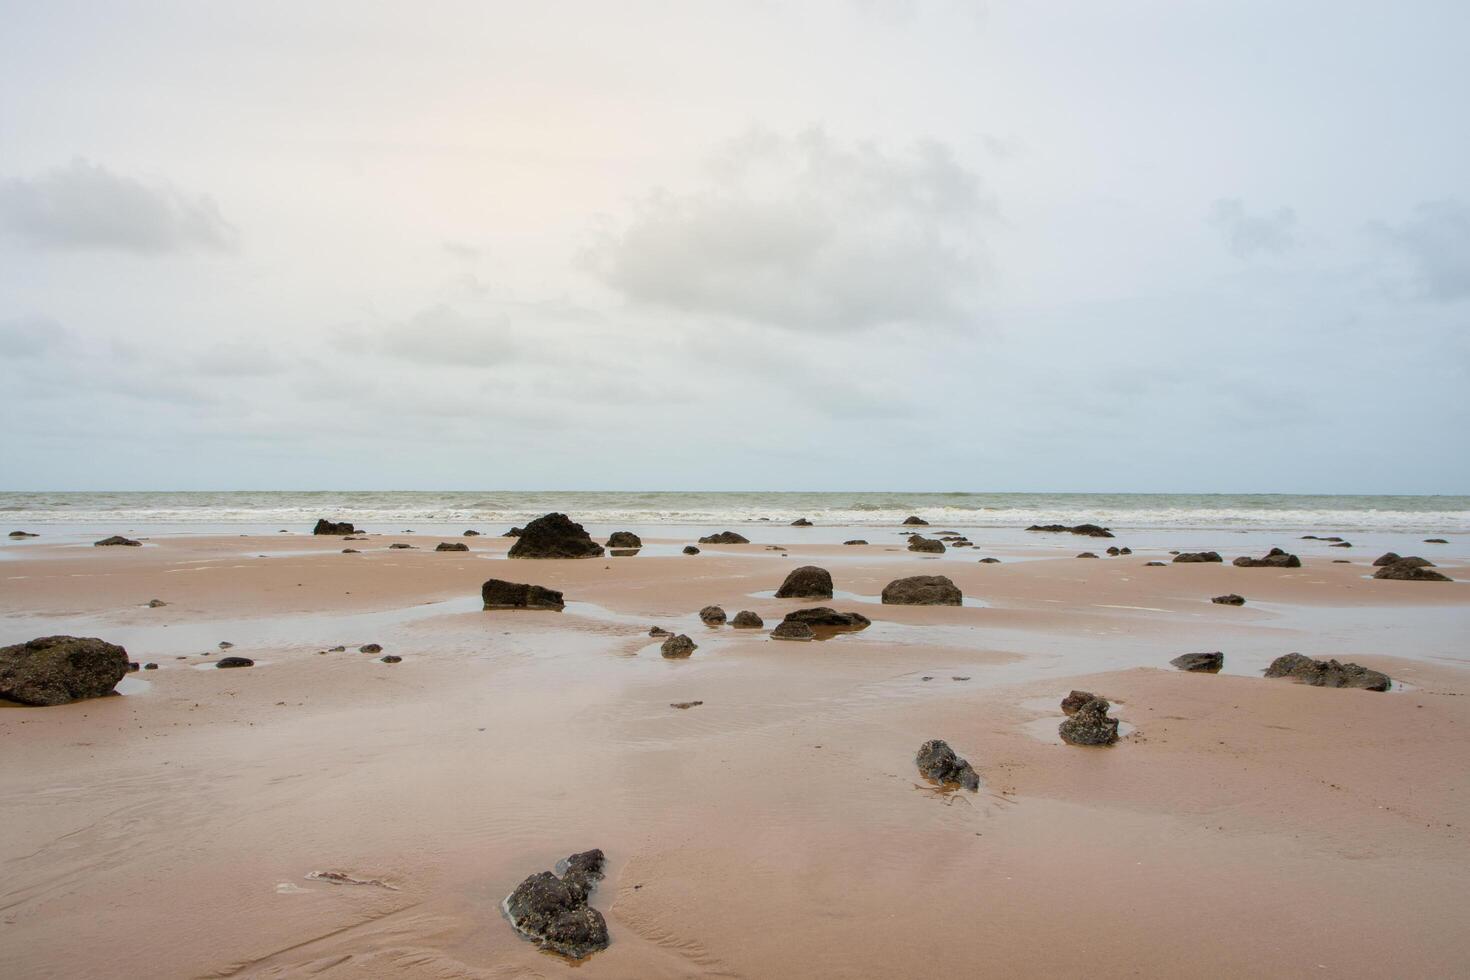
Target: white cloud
<point>85,206</point>
<point>807,233</point>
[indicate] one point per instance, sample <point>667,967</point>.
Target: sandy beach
<point>1242,826</point>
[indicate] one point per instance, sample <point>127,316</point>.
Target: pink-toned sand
<point>1246,827</point>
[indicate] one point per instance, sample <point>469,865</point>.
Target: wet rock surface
<point>806,582</point>
<point>1229,600</point>
<point>1406,572</point>
<point>17,535</point>
<point>658,631</point>
<point>554,536</point>
<point>712,616</point>
<point>689,549</point>
<point>1090,725</point>
<point>1087,530</point>
<point>452,546</point>
<point>1204,663</point>
<point>624,539</point>
<point>500,594</point>
<point>370,648</point>
<point>825,618</point>
<point>922,590</point>
<point>1198,556</point>
<point>792,630</point>
<point>1075,700</point>
<point>928,545</point>
<point>390,658</point>
<point>1275,558</point>
<point>915,521</point>
<point>553,911</point>
<point>324,526</point>
<point>801,522</point>
<point>747,620</point>
<point>53,670</point>
<point>1328,673</point>
<point>400,546</point>
<point>724,537</point>
<point>226,663</point>
<point>677,647</point>
<point>855,541</point>
<point>117,540</point>
<point>937,761</point>
<point>1087,554</point>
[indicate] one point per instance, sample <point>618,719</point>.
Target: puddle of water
<point>133,685</point>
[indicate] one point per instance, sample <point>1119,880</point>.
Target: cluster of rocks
<point>1411,569</point>
<point>1197,556</point>
<point>553,912</point>
<point>927,545</point>
<point>500,594</point>
<point>1115,551</point>
<point>1087,721</point>
<point>554,536</point>
<point>1328,673</point>
<point>52,670</point>
<point>937,761</point>
<point>1275,558</point>
<point>724,537</point>
<point>1088,530</point>
<point>324,526</point>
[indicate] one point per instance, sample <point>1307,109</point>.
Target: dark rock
<point>132,666</point>
<point>150,666</point>
<point>451,546</point>
<point>117,539</point>
<point>391,658</point>
<point>370,648</point>
<point>514,532</point>
<point>929,545</point>
<point>52,670</point>
<point>1333,538</point>
<point>792,630</point>
<point>228,662</point>
<point>1155,564</point>
<point>685,705</point>
<point>1205,663</point>
<point>937,761</point>
<point>1198,556</point>
<point>806,582</point>
<point>1426,540</point>
<point>554,912</point>
<point>1403,571</point>
<point>624,539</point>
<point>1088,530</point>
<point>23,534</point>
<point>1390,558</point>
<point>1125,550</point>
<point>400,546</point>
<point>922,590</point>
<point>990,561</point>
<point>1229,600</point>
<point>689,549</point>
<point>915,521</point>
<point>1387,558</point>
<point>500,594</point>
<point>678,647</point>
<point>824,618</point>
<point>1087,554</point>
<point>1075,700</point>
<point>747,620</point>
<point>472,534</point>
<point>338,649</point>
<point>1090,725</point>
<point>1341,544</point>
<point>156,603</point>
<point>226,645</point>
<point>1341,561</point>
<point>1114,551</point>
<point>1275,558</point>
<point>801,522</point>
<point>658,631</point>
<point>554,536</point>
<point>1308,537</point>
<point>712,616</point>
<point>724,537</point>
<point>324,526</point>
<point>350,551</point>
<point>855,541</point>
<point>624,552</point>
<point>1328,673</point>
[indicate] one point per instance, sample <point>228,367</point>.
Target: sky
<point>1142,245</point>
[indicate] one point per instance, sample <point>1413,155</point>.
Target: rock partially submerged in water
<point>937,761</point>
<point>914,521</point>
<point>1198,556</point>
<point>500,594</point>
<point>52,670</point>
<point>23,534</point>
<point>923,590</point>
<point>1090,725</point>
<point>472,534</point>
<point>689,549</point>
<point>1275,558</point>
<point>712,616</point>
<point>370,648</point>
<point>1426,540</point>
<point>1087,554</point>
<point>678,647</point>
<point>1229,600</point>
<point>1203,663</point>
<point>806,582</point>
<point>929,545</point>
<point>1088,530</point>
<point>554,536</point>
<point>801,522</point>
<point>1406,570</point>
<point>855,541</point>
<point>324,526</point>
<point>553,912</point>
<point>825,618</point>
<point>1328,673</point>
<point>117,540</point>
<point>452,546</point>
<point>747,620</point>
<point>724,537</point>
<point>225,663</point>
<point>156,603</point>
<point>624,539</point>
<point>792,630</point>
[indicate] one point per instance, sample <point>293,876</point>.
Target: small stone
<point>225,663</point>
<point>624,539</point>
<point>926,545</point>
<point>747,620</point>
<point>1229,600</point>
<point>685,705</point>
<point>1196,556</point>
<point>792,630</point>
<point>725,537</point>
<point>1090,725</point>
<point>855,541</point>
<point>370,648</point>
<point>658,631</point>
<point>156,603</point>
<point>689,549</point>
<point>1275,558</point>
<point>1205,663</point>
<point>915,522</point>
<point>1075,700</point>
<point>150,666</point>
<point>399,546</point>
<point>472,534</point>
<point>801,522</point>
<point>391,658</point>
<point>1087,554</point>
<point>937,761</point>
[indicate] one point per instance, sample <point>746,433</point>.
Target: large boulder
<point>115,540</point>
<point>53,670</point>
<point>1407,571</point>
<point>553,911</point>
<point>1090,725</point>
<point>923,590</point>
<point>500,594</point>
<point>1275,558</point>
<point>747,620</point>
<point>928,545</point>
<point>324,526</point>
<point>824,618</point>
<point>677,647</point>
<point>554,536</point>
<point>1202,663</point>
<point>1087,530</point>
<point>1327,673</point>
<point>806,582</point>
<point>624,539</point>
<point>451,546</point>
<point>937,761</point>
<point>1198,556</point>
<point>913,521</point>
<point>801,522</point>
<point>724,537</point>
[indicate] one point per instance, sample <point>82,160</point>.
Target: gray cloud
<point>85,206</point>
<point>443,335</point>
<point>30,336</point>
<point>237,361</point>
<point>1250,234</point>
<point>806,233</point>
<point>1436,238</point>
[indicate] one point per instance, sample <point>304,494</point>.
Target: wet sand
<point>1244,827</point>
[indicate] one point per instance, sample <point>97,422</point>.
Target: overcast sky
<point>858,244</point>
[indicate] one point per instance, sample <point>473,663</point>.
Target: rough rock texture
<point>324,526</point>
<point>913,521</point>
<point>1090,725</point>
<point>937,761</point>
<point>500,594</point>
<point>1229,600</point>
<point>1089,530</point>
<point>1155,564</point>
<point>792,630</point>
<point>678,647</point>
<point>370,648</point>
<point>806,582</point>
<point>514,532</point>
<point>624,539</point>
<point>1404,571</point>
<point>922,590</point>
<point>1327,673</point>
<point>1275,558</point>
<point>855,541</point>
<point>472,534</point>
<point>658,631</point>
<point>747,620</point>
<point>931,545</point>
<point>53,670</point>
<point>1087,554</point>
<point>724,537</point>
<point>227,662</point>
<point>554,912</point>
<point>990,561</point>
<point>554,536</point>
<point>23,534</point>
<point>712,616</point>
<point>801,522</point>
<point>689,549</point>
<point>1208,663</point>
<point>156,603</point>
<point>117,539</point>
<point>400,546</point>
<point>1075,700</point>
<point>1198,556</point>
<point>825,618</point>
<point>1392,559</point>
<point>1114,551</point>
<point>391,658</point>
<point>452,546</point>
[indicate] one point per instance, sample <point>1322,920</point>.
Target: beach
<point>1241,826</point>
